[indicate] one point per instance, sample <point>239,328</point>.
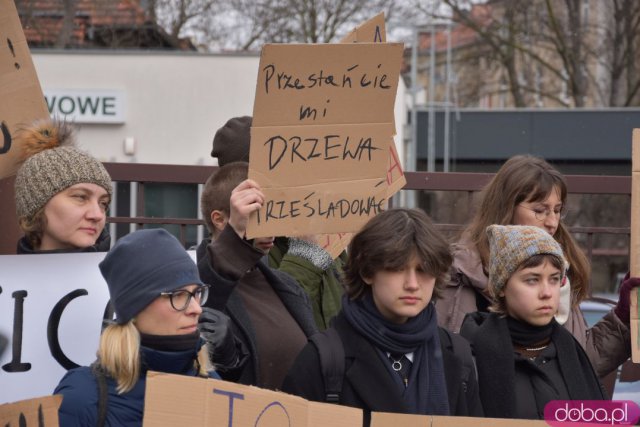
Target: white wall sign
<point>86,105</point>
<point>51,310</point>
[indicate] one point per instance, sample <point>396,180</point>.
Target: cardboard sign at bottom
<point>173,400</point>
<point>383,419</point>
<point>42,411</point>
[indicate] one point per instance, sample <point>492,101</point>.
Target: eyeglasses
<point>542,213</point>
<point>181,298</point>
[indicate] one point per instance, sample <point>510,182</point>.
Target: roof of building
<point>95,24</point>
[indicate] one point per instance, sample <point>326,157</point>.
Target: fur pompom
<point>44,135</point>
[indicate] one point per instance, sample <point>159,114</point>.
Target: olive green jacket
<point>324,287</point>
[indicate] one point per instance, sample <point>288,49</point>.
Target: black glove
<point>215,329</point>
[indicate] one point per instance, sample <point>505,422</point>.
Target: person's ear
<point>219,220</point>
<point>368,281</point>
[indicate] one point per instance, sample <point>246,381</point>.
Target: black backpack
<point>331,352</point>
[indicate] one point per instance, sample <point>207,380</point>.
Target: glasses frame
<point>203,289</point>
<point>547,212</point>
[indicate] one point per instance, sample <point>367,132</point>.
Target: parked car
<point>596,307</point>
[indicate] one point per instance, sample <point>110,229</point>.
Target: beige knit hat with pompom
<point>51,164</point>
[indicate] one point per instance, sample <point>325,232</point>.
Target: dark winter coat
<point>222,297</point>
<point>80,390</point>
<point>512,386</point>
<point>368,383</point>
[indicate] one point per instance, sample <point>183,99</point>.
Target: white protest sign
<point>43,297</point>
<point>51,310</point>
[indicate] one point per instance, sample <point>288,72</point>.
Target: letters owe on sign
<point>87,106</point>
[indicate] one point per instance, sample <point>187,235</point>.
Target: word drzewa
<point>329,147</point>
<point>328,209</point>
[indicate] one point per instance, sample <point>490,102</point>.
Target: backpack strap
<point>463,351</point>
<point>103,395</point>
<point>331,351</point>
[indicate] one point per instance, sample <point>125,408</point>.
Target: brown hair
<point>388,242</point>
<point>217,190</point>
<point>34,227</point>
<point>499,305</point>
<point>526,178</point>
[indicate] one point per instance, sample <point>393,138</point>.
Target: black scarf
<point>170,342</point>
<point>526,335</point>
<point>427,389</point>
<point>495,360</point>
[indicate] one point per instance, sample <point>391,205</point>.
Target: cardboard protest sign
<point>634,250</point>
<point>371,31</point>
<point>172,400</point>
<point>325,206</point>
<point>321,127</point>
<point>383,419</point>
<point>326,83</point>
<point>334,244</point>
<point>307,154</point>
<point>39,412</point>
<point>374,31</point>
<point>21,98</point>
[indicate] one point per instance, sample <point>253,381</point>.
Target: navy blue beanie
<point>143,264</point>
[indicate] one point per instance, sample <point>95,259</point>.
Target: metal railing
<point>469,183</point>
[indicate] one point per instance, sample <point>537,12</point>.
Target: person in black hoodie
<point>396,358</point>
<point>525,359</point>
<point>62,193</point>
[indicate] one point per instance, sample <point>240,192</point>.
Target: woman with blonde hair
<point>157,295</point>
<point>529,191</point>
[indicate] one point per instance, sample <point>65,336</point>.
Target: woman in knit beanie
<point>157,295</point>
<point>525,359</point>
<point>62,193</point>
<point>529,191</point>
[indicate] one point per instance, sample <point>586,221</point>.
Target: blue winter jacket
<point>80,390</point>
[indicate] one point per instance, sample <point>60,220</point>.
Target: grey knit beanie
<point>511,245</point>
<point>52,164</point>
<point>143,264</point>
<point>231,142</point>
